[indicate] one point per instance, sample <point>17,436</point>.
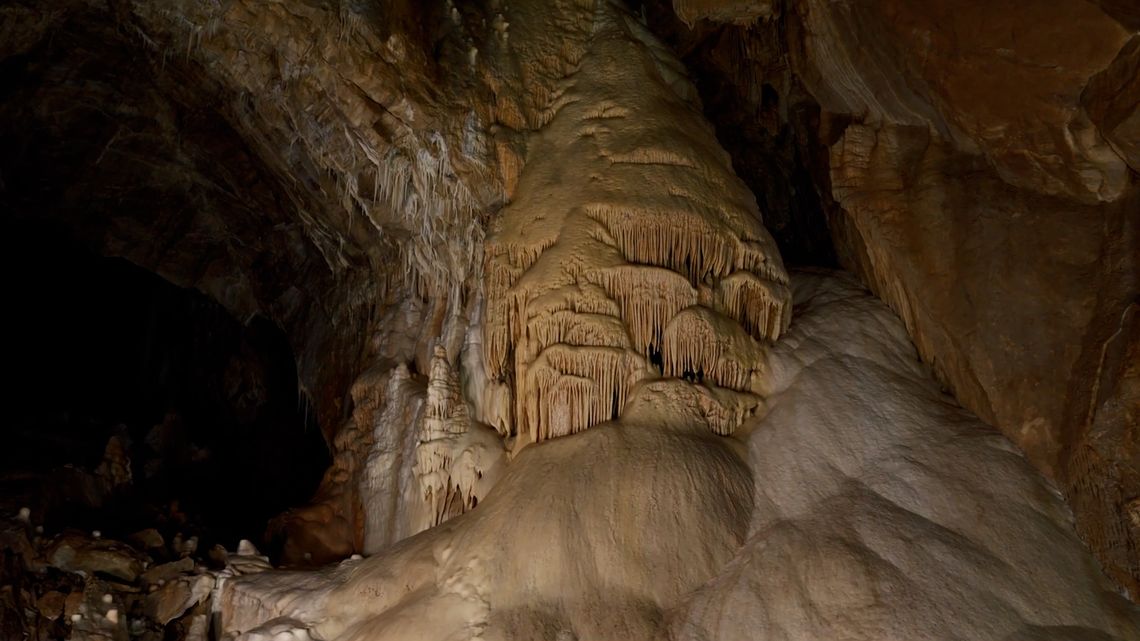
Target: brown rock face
<point>1104,469</point>
<point>1112,99</point>
<point>283,159</point>
<point>735,11</point>
<point>990,78</point>
<point>980,177</point>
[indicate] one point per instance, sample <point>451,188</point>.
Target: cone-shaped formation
<point>456,461</point>
<point>627,220</point>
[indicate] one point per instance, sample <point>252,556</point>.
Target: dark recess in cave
<point>770,133</point>
<point>218,437</point>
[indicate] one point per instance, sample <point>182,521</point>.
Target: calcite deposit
<point>702,319</point>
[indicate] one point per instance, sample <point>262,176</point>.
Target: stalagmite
<point>387,483</point>
<point>868,484</point>
<point>457,461</point>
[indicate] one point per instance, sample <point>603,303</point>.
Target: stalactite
<point>702,343</point>
<point>758,304</point>
<point>573,387</point>
<point>648,297</point>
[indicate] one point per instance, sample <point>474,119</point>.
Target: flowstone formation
<point>630,252</point>
<point>549,338</point>
<point>979,179</point>
<point>911,519</point>
<point>629,290</point>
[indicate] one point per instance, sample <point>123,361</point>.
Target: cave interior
<point>293,287</point>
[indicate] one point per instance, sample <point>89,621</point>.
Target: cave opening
<point>139,404</point>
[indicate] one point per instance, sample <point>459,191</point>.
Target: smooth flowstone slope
<point>592,536</point>
<point>885,511</point>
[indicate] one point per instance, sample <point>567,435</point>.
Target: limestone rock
<point>918,65</point>
<point>1112,99</point>
<point>342,161</point>
<point>115,468</point>
<point>1104,471</point>
<point>741,12</point>
<point>457,461</point>
<point>74,552</point>
<point>199,628</point>
<point>94,613</point>
<point>176,597</point>
<point>912,519</point>
<point>148,539</point>
<point>906,516</point>
<point>164,572</point>
<point>246,560</point>
<point>566,321</point>
<point>277,630</point>
<point>978,177</point>
<point>51,604</point>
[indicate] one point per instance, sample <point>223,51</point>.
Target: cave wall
<point>333,167</point>
<point>131,154</point>
<point>327,167</point>
<point>980,177</point>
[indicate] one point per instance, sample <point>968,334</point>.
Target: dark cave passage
<point>109,357</point>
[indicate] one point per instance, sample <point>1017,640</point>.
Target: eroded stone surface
<point>980,178</point>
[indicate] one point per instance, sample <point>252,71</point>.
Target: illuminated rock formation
<point>607,533</point>
<point>527,258</point>
<point>627,226</point>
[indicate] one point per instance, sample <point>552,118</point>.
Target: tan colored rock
<point>176,597</point>
<point>71,604</point>
<point>166,571</point>
<point>199,628</point>
<point>988,77</point>
<point>148,539</point>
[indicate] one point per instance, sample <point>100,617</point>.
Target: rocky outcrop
<point>980,179</point>
<point>85,587</point>
<point>887,530</point>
